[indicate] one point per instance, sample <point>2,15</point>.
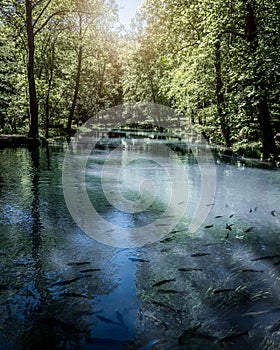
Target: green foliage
<point>215,61</point>
<point>205,63</point>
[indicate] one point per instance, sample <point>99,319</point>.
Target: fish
<point>168,239</point>
<point>210,205</point>
<point>199,254</point>
<point>160,283</point>
<point>228,227</point>
<point>273,212</point>
<point>232,337</point>
<point>225,290</point>
<point>169,291</point>
<point>265,257</point>
<point>208,226</point>
<point>231,216</point>
<point>249,229</point>
<point>256,208</point>
<point>219,216</point>
<point>90,270</point>
<point>180,203</point>
<point>138,260</point>
<point>78,263</point>
<point>65,283</point>
<point>120,319</point>
<point>250,211</point>
<point>187,269</point>
<point>277,263</point>
<point>73,295</point>
<point>252,270</point>
<point>107,320</point>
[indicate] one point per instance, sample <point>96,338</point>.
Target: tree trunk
<point>47,106</point>
<point>220,95</point>
<point>33,104</point>
<point>76,91</point>
<point>263,113</point>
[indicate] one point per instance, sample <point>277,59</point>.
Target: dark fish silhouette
<point>208,226</point>
<point>160,283</point>
<point>249,229</point>
<point>273,212</point>
<point>65,283</point>
<point>169,291</point>
<point>188,269</point>
<point>138,260</point>
<point>225,290</point>
<point>73,295</point>
<point>266,257</point>
<point>90,270</point>
<point>78,263</point>
<point>219,216</point>
<point>231,216</point>
<point>252,270</point>
<point>228,227</point>
<point>168,239</point>
<point>199,254</point>
<point>251,210</point>
<point>120,319</point>
<point>210,205</point>
<point>107,320</point>
<point>256,208</point>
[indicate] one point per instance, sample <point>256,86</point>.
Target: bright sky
<point>127,10</point>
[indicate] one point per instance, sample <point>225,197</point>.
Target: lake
<point>176,252</point>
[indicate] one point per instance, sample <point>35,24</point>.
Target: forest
<point>216,62</point>
<point>118,230</point>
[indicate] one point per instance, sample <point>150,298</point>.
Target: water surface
<point>61,289</point>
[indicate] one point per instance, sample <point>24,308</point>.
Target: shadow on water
<point>59,289</point>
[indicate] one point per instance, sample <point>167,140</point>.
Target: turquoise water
<point>61,289</point>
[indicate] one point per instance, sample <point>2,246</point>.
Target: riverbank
<point>18,141</point>
<point>249,155</point>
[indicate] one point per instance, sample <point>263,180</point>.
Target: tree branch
<point>48,19</point>
<point>41,13</point>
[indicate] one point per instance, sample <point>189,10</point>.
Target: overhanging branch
<point>48,19</point>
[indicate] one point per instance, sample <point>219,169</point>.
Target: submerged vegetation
<point>216,62</point>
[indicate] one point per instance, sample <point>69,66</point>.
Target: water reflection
<point>60,289</point>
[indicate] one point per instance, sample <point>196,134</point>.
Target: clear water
<point>61,289</point>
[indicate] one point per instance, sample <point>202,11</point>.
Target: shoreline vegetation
<point>248,154</point>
